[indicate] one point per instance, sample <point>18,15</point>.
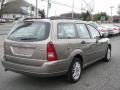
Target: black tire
<point>108,58</point>
<point>69,75</point>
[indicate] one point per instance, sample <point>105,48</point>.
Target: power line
<point>88,5</point>
<point>69,6</point>
<point>62,4</point>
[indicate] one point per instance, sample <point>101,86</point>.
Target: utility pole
<point>73,9</point>
<point>1,7</point>
<point>47,8</point>
<point>111,10</point>
<point>1,3</point>
<point>36,14</point>
<point>93,10</point>
<point>111,13</point>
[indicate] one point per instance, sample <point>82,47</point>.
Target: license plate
<point>22,51</point>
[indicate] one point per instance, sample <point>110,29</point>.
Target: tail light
<point>115,28</point>
<point>51,52</point>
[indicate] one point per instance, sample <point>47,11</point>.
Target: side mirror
<point>97,39</point>
<point>103,36</point>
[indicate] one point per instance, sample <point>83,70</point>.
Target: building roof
<point>15,7</point>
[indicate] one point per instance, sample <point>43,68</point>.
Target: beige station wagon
<point>54,47</point>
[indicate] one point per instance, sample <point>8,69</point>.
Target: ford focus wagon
<point>46,47</point>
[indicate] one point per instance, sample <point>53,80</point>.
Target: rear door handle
<point>68,47</point>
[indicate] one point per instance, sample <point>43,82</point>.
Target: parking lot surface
<point>98,76</point>
<point>5,28</point>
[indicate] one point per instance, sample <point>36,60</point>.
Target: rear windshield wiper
<point>29,39</point>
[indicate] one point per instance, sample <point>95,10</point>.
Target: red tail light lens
<point>51,52</point>
<point>115,28</point>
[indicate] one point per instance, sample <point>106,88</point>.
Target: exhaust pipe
<point>5,69</point>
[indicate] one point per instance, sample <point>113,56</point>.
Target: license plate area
<point>22,51</point>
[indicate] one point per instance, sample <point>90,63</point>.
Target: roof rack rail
<point>52,18</point>
<point>28,18</point>
<point>58,17</point>
<point>31,18</point>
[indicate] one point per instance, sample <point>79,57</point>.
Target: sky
<point>99,6</point>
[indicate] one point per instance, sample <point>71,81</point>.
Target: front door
<point>100,46</point>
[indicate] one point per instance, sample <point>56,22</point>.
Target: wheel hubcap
<point>76,71</point>
<point>108,54</point>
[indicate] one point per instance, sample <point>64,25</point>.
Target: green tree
<point>101,16</point>
<point>41,13</point>
<point>86,16</point>
<point>32,9</point>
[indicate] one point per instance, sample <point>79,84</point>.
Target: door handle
<point>68,48</point>
<point>83,42</point>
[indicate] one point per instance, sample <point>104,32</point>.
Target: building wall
<point>12,16</point>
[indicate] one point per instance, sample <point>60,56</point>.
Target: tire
<point>108,55</point>
<point>74,72</point>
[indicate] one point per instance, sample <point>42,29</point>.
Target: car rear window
<point>30,31</point>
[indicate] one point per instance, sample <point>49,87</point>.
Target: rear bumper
<point>111,33</point>
<point>48,69</point>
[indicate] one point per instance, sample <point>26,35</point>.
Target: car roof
<point>54,20</point>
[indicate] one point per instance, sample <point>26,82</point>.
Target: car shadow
<point>51,82</point>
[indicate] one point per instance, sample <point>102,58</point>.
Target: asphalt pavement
<point>98,76</point>
<point>5,28</point>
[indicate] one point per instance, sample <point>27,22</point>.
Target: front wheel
<point>108,55</point>
<point>74,72</point>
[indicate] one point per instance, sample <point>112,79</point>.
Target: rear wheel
<point>108,55</point>
<point>74,72</point>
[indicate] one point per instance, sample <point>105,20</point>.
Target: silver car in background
<point>112,29</point>
<point>118,25</point>
<point>103,30</point>
<point>48,47</point>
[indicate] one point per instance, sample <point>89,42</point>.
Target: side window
<point>82,31</point>
<point>94,33</point>
<point>66,30</point>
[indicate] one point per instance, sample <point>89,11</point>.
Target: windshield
<point>30,31</point>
